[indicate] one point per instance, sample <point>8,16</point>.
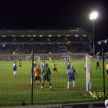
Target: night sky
<point>54,14</point>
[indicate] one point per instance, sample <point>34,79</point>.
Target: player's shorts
<point>107,71</point>
<point>71,77</point>
<point>68,67</point>
<point>46,77</point>
<point>37,78</point>
<point>14,69</point>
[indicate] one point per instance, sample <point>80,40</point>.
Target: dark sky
<point>54,14</point>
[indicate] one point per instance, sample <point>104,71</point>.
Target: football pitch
<point>16,90</point>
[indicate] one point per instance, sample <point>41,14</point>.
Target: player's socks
<point>73,83</point>
<point>14,73</point>
<point>68,85</point>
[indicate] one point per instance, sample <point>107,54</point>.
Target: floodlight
<point>59,35</point>
<point>99,42</point>
<point>34,35</point>
<point>41,35</point>
<point>76,35</point>
<point>50,35</point>
<point>3,45</point>
<point>3,35</point>
<point>93,15</point>
<point>84,35</point>
<point>105,41</point>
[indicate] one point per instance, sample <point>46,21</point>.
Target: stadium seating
<point>43,44</point>
<point>45,41</point>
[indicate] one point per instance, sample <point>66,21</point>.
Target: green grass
<point>15,90</point>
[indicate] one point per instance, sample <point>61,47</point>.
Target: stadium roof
<point>23,33</point>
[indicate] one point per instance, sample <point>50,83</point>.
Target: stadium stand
<point>45,41</point>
